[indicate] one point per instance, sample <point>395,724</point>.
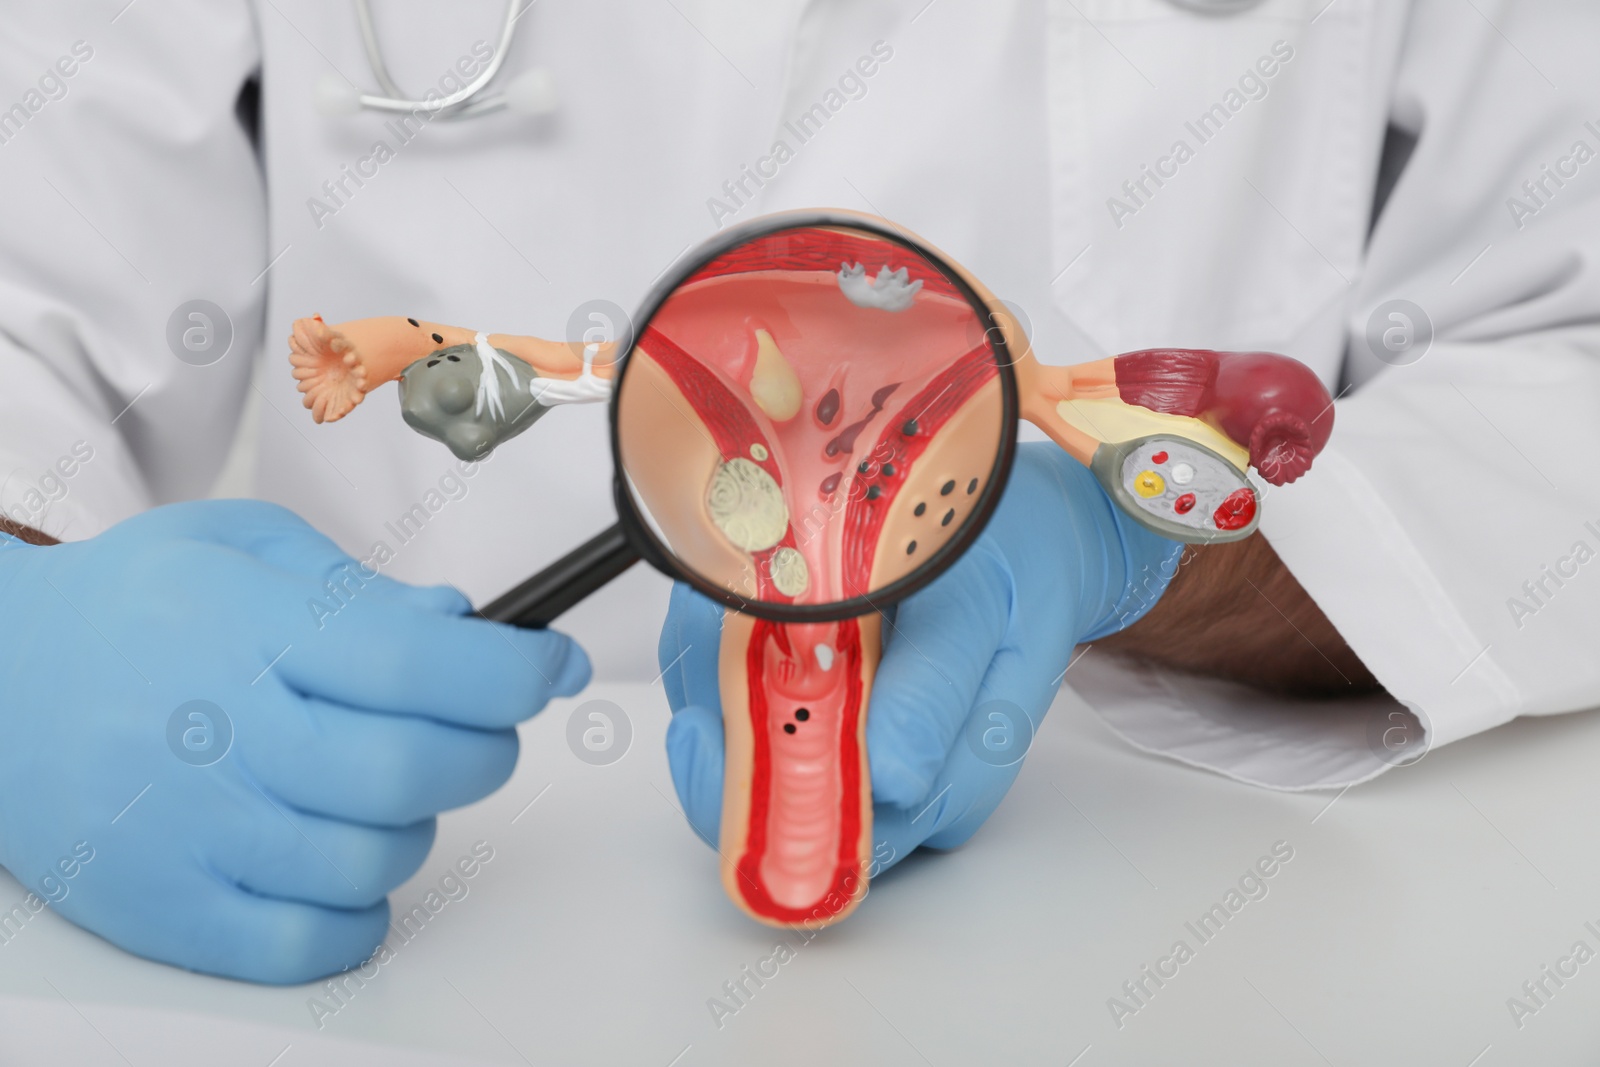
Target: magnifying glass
<point>797,397</point>
<point>814,418</point>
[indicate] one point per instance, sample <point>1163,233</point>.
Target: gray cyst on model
<point>439,399</point>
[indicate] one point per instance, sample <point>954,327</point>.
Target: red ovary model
<point>831,441</point>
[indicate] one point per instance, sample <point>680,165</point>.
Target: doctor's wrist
<point>1235,611</point>
<point>26,534</point>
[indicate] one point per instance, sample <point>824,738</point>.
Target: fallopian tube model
<point>842,408</point>
<point>469,390</point>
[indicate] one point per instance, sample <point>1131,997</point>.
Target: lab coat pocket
<point>1211,176</point>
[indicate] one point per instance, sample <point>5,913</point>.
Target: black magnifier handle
<point>537,602</point>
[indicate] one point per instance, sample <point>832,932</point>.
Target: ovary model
<point>469,390</point>
<point>844,407</point>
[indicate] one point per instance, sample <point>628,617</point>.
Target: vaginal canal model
<point>813,416</point>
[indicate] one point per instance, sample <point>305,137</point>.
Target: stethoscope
<point>1215,7</point>
<point>530,93</point>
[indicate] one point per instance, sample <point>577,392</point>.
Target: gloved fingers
<point>368,767</point>
<point>962,795</point>
<point>236,934</point>
<point>390,657</point>
<point>690,639</point>
<point>959,815</point>
<point>964,792</point>
<point>294,855</point>
<point>694,753</point>
<point>153,889</point>
<point>935,656</point>
<point>984,762</point>
<point>279,538</point>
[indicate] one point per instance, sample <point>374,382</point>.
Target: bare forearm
<point>1234,611</point>
<point>25,533</point>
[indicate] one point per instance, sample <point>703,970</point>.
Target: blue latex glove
<point>352,726</point>
<point>1059,564</point>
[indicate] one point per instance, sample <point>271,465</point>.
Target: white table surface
<point>1412,909</point>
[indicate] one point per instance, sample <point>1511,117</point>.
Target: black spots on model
<point>453,359</point>
<point>415,323</point>
<point>910,428</point>
<point>438,339</point>
<point>911,548</point>
<point>800,715</point>
<point>946,489</point>
<point>874,492</point>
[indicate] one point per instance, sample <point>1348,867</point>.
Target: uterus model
<point>842,397</point>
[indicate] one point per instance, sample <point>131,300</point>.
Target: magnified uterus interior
<point>807,422</point>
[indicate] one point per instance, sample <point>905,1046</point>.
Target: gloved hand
<point>964,659</point>
<point>338,732</point>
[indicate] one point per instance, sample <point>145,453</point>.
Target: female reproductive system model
<point>469,390</point>
<point>1169,433</point>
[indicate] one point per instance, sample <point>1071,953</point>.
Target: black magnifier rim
<point>660,556</point>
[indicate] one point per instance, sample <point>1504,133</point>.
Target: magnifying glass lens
<point>814,420</point>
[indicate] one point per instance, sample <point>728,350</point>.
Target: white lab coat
<point>1002,130</point>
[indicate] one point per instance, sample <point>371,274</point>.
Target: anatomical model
<point>468,390</point>
<point>841,395</point>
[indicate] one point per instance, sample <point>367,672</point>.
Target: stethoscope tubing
<point>1216,7</point>
<point>459,104</point>
<point>468,101</point>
